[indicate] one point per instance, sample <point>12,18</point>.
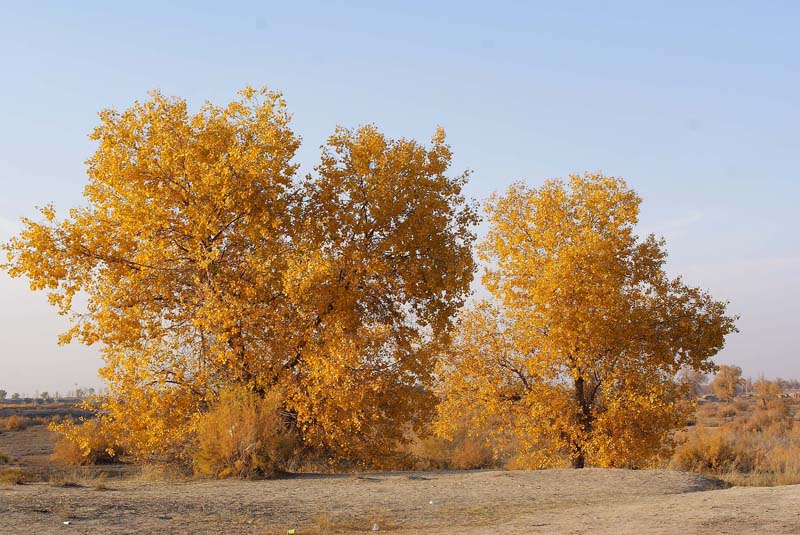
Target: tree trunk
<point>585,418</point>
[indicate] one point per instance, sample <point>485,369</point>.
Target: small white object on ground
<point>375,527</point>
<point>66,522</point>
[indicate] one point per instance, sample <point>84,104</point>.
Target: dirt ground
<point>114,500</point>
<point>508,502</point>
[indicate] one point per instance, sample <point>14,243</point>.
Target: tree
<point>692,381</point>
<point>3,394</point>
<point>767,392</point>
<point>578,353</point>
<point>208,263</point>
<point>15,396</point>
<point>727,382</point>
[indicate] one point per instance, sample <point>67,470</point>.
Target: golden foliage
<point>85,443</point>
<point>578,356</point>
<point>243,435</point>
<point>727,382</point>
<point>768,393</point>
<point>208,263</point>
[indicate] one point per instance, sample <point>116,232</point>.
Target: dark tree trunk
<point>584,417</point>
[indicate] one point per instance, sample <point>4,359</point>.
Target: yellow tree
<point>207,262</point>
<point>767,392</point>
<point>578,356</point>
<point>727,382</point>
<point>691,381</point>
<point>384,263</point>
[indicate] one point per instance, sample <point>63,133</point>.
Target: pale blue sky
<point>695,105</point>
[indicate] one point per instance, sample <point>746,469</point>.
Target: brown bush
<point>162,472</point>
<point>761,447</point>
<point>243,435</point>
<point>15,476</point>
<point>15,423</point>
<point>471,454</point>
<point>712,450</point>
<point>432,453</point>
<point>86,444</point>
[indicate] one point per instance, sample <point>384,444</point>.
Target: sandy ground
<point>497,502</point>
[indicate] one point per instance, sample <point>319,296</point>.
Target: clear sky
<point>694,103</point>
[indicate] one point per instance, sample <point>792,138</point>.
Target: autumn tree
<point>578,352</point>
<point>727,382</point>
<point>691,381</point>
<point>208,263</point>
<point>767,392</point>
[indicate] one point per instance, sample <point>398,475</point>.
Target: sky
<point>695,104</point>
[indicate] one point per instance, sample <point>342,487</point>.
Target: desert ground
<point>508,502</point>
<point>117,499</point>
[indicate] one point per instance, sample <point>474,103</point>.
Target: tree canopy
<point>727,382</point>
<point>208,262</point>
<point>574,359</point>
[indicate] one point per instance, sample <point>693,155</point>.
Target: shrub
<point>707,450</point>
<point>85,444</point>
<point>761,447</point>
<point>784,463</point>
<point>15,423</point>
<point>243,435</point>
<point>471,454</point>
<point>15,476</point>
<point>432,453</point>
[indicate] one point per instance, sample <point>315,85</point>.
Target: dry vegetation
<point>14,423</point>
<point>745,443</point>
<point>244,435</point>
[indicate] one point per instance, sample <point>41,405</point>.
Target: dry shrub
<point>711,450</point>
<point>784,463</point>
<point>471,454</point>
<point>432,453</point>
<point>85,444</point>
<point>15,476</point>
<point>162,472</point>
<point>15,423</point>
<point>67,451</point>
<point>761,447</point>
<point>65,481</point>
<point>707,410</point>
<point>101,483</point>
<point>4,459</point>
<point>243,435</point>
